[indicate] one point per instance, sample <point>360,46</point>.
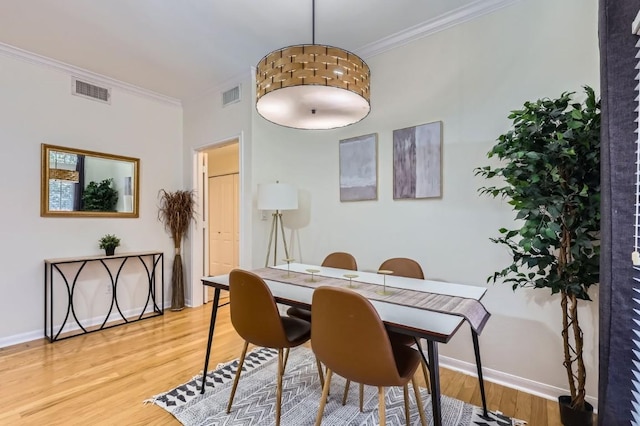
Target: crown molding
<point>34,58</point>
<point>442,22</point>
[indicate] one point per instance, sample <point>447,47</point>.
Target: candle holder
<point>384,291</point>
<point>288,260</point>
<point>350,276</point>
<point>312,279</point>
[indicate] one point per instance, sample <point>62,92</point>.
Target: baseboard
<point>21,338</point>
<point>39,334</point>
<point>529,386</point>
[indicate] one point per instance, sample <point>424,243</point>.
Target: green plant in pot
<point>100,196</point>
<point>550,172</point>
<point>109,243</point>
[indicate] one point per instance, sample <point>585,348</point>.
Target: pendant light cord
<point>313,21</point>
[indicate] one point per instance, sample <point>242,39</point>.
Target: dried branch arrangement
<point>176,211</point>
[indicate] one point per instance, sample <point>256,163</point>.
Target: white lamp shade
<point>277,196</point>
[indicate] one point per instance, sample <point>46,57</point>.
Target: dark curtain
<point>77,194</point>
<point>617,70</point>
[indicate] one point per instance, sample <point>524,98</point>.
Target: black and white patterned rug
<point>254,403</point>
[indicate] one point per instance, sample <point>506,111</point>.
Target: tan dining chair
<point>255,317</point>
<point>339,260</point>
<point>401,267</point>
<point>348,336</point>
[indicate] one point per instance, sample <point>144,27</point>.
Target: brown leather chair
<point>405,267</point>
<point>255,317</point>
<point>339,260</point>
<point>348,336</point>
<point>401,267</point>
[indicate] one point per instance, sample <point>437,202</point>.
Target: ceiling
<point>181,48</point>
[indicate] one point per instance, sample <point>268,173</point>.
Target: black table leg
<point>476,350</point>
<point>434,375</point>
<point>212,324</point>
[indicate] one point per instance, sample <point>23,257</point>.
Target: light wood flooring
<point>103,378</point>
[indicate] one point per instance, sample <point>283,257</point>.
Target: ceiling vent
<point>90,91</point>
<point>231,96</point>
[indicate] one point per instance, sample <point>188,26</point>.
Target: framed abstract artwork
<point>359,168</point>
<point>417,161</point>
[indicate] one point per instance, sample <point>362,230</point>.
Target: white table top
<point>439,326</point>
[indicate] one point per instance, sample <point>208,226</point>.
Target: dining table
<point>424,309</point>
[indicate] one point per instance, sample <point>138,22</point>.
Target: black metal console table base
<point>51,265</point>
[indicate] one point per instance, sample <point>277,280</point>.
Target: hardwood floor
<point>103,378</point>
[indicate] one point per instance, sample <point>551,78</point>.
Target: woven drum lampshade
<point>65,175</point>
<point>312,86</point>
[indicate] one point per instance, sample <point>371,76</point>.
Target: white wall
<point>470,77</point>
<point>36,107</point>
<point>207,124</point>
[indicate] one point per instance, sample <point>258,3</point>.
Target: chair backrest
<point>254,313</point>
<point>340,260</point>
<point>403,267</point>
<point>348,336</point>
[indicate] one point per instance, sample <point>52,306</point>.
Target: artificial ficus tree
<point>550,173</point>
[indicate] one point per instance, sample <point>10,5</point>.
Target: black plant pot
<point>572,417</point>
<point>110,251</point>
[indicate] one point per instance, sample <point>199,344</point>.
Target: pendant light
<point>312,86</point>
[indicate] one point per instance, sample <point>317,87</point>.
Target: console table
<point>150,261</point>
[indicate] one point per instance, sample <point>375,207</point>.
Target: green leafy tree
<point>100,197</point>
<point>550,167</point>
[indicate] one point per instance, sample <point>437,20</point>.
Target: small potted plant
<point>109,243</point>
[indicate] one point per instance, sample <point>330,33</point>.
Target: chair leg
<point>361,397</point>
<point>320,375</point>
<point>286,358</point>
<point>279,385</point>
<point>424,365</point>
<point>405,392</point>
<point>325,395</point>
<point>237,378</point>
<point>416,390</point>
<point>346,392</point>
<point>382,414</point>
<point>425,372</point>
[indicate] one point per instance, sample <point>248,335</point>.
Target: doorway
<point>223,195</point>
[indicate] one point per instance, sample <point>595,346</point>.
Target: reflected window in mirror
<point>87,183</point>
<point>64,172</point>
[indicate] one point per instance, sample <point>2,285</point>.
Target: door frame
<point>199,232</point>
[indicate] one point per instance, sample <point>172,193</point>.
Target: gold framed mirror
<point>81,183</point>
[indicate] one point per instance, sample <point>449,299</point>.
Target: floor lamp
<point>278,197</point>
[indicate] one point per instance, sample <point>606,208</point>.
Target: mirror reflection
<point>87,183</point>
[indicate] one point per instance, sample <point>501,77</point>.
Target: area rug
<point>254,403</point>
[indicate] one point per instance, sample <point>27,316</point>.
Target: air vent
<point>231,96</point>
<point>90,91</point>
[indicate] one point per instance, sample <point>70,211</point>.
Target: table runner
<point>470,309</point>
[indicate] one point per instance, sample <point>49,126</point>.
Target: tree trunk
<point>573,345</point>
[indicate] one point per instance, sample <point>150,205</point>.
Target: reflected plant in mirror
<point>100,197</point>
<point>87,183</point>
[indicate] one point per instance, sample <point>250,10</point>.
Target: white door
<point>223,224</point>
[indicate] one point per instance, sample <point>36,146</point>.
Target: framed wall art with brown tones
<point>359,168</point>
<point>417,161</point>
